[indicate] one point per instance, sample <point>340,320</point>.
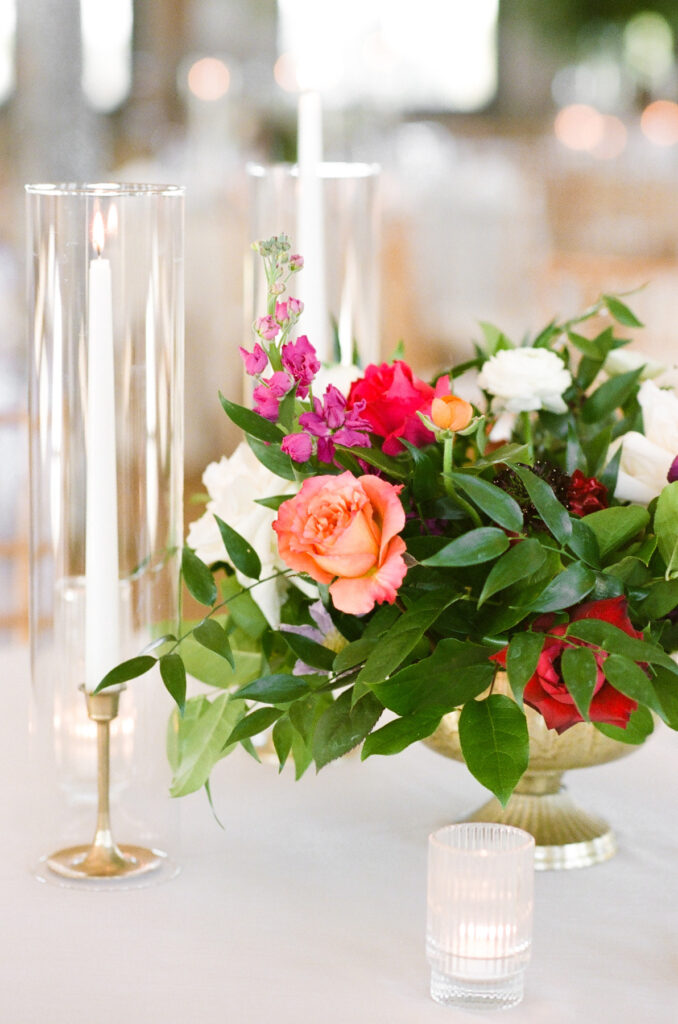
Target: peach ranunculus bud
<point>342,530</point>
<point>449,412</point>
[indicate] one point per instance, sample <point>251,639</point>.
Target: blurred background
<point>529,157</point>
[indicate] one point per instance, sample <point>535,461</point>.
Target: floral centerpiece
<point>372,555</point>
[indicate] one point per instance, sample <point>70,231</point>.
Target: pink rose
<point>342,530</point>
<point>393,396</point>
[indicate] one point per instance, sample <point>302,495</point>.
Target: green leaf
<point>495,503</point>
<point>396,735</point>
<point>243,609</point>
<point>251,422</point>
<point>662,599</point>
<point>273,502</point>
<point>520,561</point>
<point>508,453</point>
<point>275,689</point>
<point>173,676</point>
<point>610,396</point>
<point>521,661</point>
<point>198,578</point>
<point>583,543</point>
<point>309,651</point>
<point>240,552</point>
<point>580,674</point>
<point>456,672</point>
<point>211,635</point>
<point>272,457</point>
<point>554,515</point>
<point>616,641</point>
<point>375,457</point>
<point>632,681</point>
<point>621,312</point>
<point>283,735</point>
<point>127,670</point>
<point>495,743</point>
<point>403,637</point>
<point>354,654</point>
<point>254,723</point>
<point>615,527</point>
<point>341,727</point>
<point>166,638</point>
<point>203,744</point>
<point>569,587</point>
<point>476,546</point>
<point>666,688</point>
<point>639,727</point>
<point>666,528</point>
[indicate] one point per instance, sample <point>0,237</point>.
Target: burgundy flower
<point>546,691</point>
<point>672,474</point>
<point>586,494</point>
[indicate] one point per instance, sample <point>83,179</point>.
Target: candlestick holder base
<point>103,858</point>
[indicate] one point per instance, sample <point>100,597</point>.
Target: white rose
<point>646,458</point>
<point>525,379</point>
<point>233,484</point>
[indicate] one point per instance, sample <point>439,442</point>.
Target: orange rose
<point>342,530</point>
<point>450,412</point>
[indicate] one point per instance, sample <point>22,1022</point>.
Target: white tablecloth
<point>310,905</point>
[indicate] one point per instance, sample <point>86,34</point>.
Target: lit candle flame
<point>98,233</point>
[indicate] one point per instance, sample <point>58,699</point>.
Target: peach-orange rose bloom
<point>342,530</point>
<point>449,412</point>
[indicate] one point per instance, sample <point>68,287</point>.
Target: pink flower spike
<point>297,446</point>
<point>296,262</point>
<point>281,313</point>
<point>266,327</point>
<point>255,361</point>
<point>295,306</point>
<point>334,407</point>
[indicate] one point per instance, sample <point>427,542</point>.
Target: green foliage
<point>494,742</point>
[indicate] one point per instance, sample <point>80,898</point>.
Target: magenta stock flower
<point>672,474</point>
<point>331,423</point>
<point>266,327</point>
<point>255,361</point>
<point>297,446</point>
<point>268,394</point>
<point>301,362</point>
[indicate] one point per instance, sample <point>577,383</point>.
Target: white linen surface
<point>310,905</point>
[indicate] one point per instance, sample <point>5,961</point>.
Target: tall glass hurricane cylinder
<point>105,272</point>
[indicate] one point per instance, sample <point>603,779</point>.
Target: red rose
<point>393,396</point>
<point>586,494</point>
<point>546,691</point>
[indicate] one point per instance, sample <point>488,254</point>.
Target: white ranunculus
<point>646,458</point>
<point>525,380</point>
<point>622,360</point>
<point>233,484</point>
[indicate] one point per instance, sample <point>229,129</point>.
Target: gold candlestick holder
<point>103,858</point>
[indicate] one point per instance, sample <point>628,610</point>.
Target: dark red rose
<point>546,691</point>
<point>393,396</point>
<point>586,494</point>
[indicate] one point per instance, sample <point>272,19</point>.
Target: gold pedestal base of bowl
<point>565,835</point>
